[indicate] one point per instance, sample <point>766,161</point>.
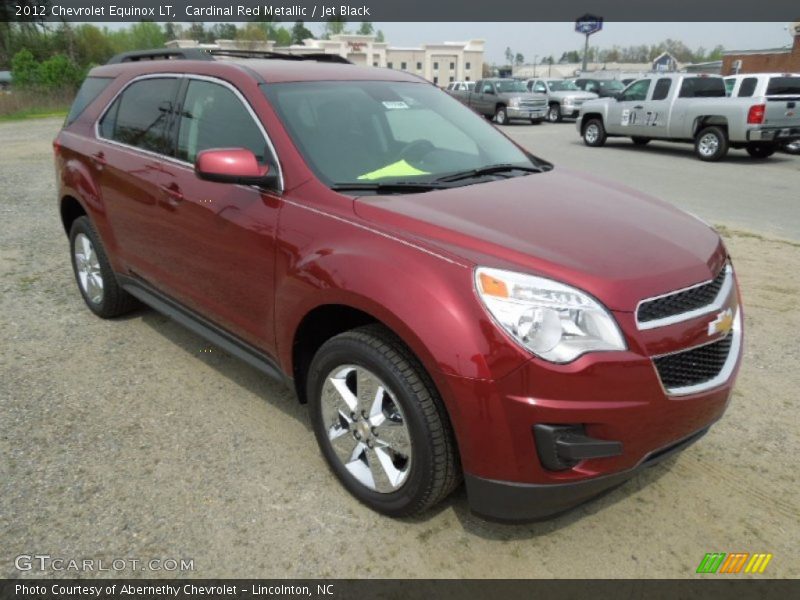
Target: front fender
<point>427,299</point>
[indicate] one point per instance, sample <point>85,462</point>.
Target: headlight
<point>513,103</point>
<point>554,321</point>
<point>569,100</point>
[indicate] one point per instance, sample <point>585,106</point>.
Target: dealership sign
<point>588,24</point>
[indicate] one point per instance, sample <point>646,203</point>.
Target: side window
<point>91,88</point>
<point>703,87</point>
<point>637,91</point>
<point>539,87</point>
<point>730,83</point>
<point>661,91</point>
<point>488,88</point>
<point>214,117</point>
<point>747,88</point>
<point>141,116</point>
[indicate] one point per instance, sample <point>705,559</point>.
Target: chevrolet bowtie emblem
<point>722,324</point>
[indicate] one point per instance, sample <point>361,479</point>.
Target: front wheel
<point>761,150</point>
<point>594,133</point>
<point>711,144</point>
<point>554,113</point>
<point>380,423</point>
<point>500,115</point>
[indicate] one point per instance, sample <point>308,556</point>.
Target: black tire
<point>554,114</point>
<point>434,471</point>
<point>711,144</point>
<point>594,133</point>
<point>640,141</point>
<point>761,150</point>
<point>501,115</point>
<point>114,301</point>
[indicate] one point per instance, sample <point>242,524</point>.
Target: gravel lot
<point>135,439</point>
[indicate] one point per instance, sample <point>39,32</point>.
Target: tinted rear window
<point>748,87</point>
<point>703,87</point>
<point>92,87</point>
<point>781,86</point>
<point>141,115</point>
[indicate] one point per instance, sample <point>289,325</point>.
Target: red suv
<point>448,305</point>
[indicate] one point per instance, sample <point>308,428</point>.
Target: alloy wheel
<point>87,265</point>
<point>366,428</point>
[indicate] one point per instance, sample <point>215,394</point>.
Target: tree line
<point>59,55</point>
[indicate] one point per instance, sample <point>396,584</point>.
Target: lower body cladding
<point>547,437</point>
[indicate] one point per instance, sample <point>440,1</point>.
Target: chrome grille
<point>533,103</point>
<point>685,304</point>
<point>694,367</point>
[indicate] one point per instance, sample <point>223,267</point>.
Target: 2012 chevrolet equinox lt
<point>449,306</point>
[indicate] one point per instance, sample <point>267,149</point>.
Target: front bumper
<point>613,397</point>
<point>571,111</point>
<point>527,113</point>
<point>521,502</point>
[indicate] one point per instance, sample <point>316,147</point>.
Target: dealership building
<point>440,63</point>
<point>775,60</point>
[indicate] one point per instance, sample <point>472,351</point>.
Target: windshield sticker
<point>398,169</point>
<point>395,104</point>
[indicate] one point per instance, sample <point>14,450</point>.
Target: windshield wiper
<point>390,187</point>
<point>490,170</point>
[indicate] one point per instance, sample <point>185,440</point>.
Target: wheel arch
<point>588,117</point>
<point>704,121</point>
<point>70,209</point>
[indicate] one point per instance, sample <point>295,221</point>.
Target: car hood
<point>574,94</point>
<point>617,244</point>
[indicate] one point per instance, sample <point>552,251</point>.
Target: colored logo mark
<point>736,562</point>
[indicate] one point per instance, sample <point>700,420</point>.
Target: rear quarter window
<point>91,88</point>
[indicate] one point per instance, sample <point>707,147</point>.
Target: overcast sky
<point>544,39</point>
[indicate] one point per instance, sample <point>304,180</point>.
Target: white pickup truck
<point>692,108</point>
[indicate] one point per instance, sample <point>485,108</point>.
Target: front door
<point>219,239</point>
<point>626,116</point>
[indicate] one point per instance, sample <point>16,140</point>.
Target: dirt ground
<point>135,438</point>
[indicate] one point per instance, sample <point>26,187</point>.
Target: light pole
<point>535,56</point>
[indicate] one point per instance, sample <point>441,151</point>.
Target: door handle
<point>174,193</point>
<point>638,107</point>
<point>99,159</point>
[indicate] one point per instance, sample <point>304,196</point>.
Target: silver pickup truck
<point>691,108</point>
<point>504,100</point>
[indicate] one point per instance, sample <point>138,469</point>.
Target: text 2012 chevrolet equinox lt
<point>449,306</point>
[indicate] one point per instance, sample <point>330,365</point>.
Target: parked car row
<point>696,108</point>
<point>503,100</point>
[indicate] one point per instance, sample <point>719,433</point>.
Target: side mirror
<point>233,165</point>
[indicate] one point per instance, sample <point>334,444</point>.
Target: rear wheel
<point>640,141</point>
<point>791,147</point>
<point>711,144</point>
<point>96,280</point>
<point>761,150</point>
<point>380,423</point>
<point>594,133</point>
<point>500,115</point>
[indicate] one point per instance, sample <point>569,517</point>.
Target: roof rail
<point>241,53</point>
<point>209,54</point>
<point>165,54</point>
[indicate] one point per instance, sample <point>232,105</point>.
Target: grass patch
<point>33,113</point>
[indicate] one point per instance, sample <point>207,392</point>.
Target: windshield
<point>387,131</point>
<point>612,85</point>
<point>510,85</point>
<point>563,86</point>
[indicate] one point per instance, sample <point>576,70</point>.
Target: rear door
<point>133,147</point>
<point>217,241</point>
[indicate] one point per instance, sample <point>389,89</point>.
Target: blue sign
<point>588,24</point>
